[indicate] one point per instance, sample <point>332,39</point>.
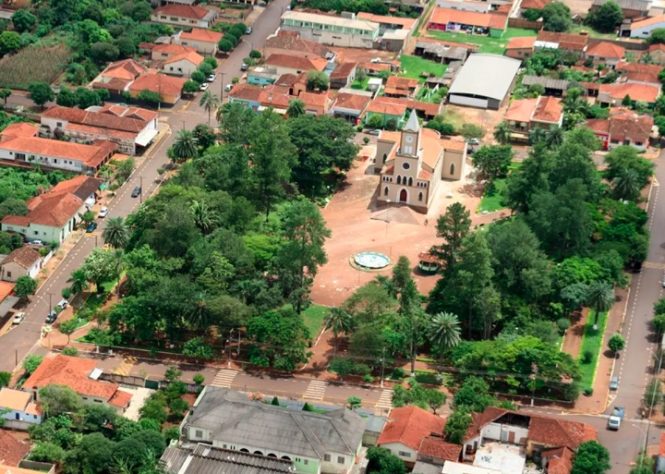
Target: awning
<point>145,137</point>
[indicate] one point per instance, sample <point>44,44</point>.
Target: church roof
<point>412,124</point>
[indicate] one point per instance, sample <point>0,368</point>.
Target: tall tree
<point>210,102</point>
<point>493,161</point>
<point>626,185</point>
<point>502,133</point>
<point>40,93</point>
<point>453,226</point>
<point>296,108</point>
<point>606,18</point>
<point>184,146</point>
<point>444,331</point>
<point>235,123</point>
<point>339,321</point>
<point>116,233</point>
<point>600,298</point>
<point>591,458</point>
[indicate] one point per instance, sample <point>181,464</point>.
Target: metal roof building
<point>484,81</point>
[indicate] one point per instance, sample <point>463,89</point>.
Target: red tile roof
<point>11,449</point>
<point>570,41</point>
<point>343,71</point>
<point>435,447</point>
<point>291,41</point>
<point>110,116</point>
<point>640,92</point>
<point>352,101</point>
<point>382,105</point>
<point>300,63</point>
<point>443,16</point>
<point>191,56</point>
<point>560,460</point>
<point>521,42</point>
<point>534,4</point>
<point>127,69</point>
<point>409,426</point>
<point>317,102</point>
<point>89,155</point>
<point>606,50</point>
<point>73,372</point>
<point>654,20</point>
<point>21,129</point>
<point>656,47</point>
<point>25,257</point>
<point>276,97</point>
<point>244,91</point>
<point>406,23</point>
<point>171,49</point>
<point>120,399</point>
<point>548,110</point>
<point>159,83</point>
<point>202,35</point>
<point>625,124</point>
<point>401,84</point>
<point>183,11</point>
<point>661,445</point>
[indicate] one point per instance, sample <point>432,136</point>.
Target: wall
<point>303,465</point>
<point>41,232</point>
<point>173,20</point>
<point>20,420</point>
<point>199,46</point>
<point>403,452</point>
<point>12,271</point>
<point>524,23</point>
<point>179,68</point>
<point>494,431</point>
<point>333,38</point>
<point>51,162</point>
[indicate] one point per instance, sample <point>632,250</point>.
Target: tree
<point>225,45</point>
<point>88,217</point>
<point>94,454</point>
<point>419,396</point>
<point>86,97</point>
<point>616,343</point>
<point>304,234</point>
<point>68,327</point>
<point>204,135</point>
<point>339,321</point>
<point>103,51</point>
<point>453,226</point>
<point>5,377</point>
<point>600,298</point>
<point>59,399</point>
<point>197,349</point>
<point>296,108</point>
<point>23,20</point>
<point>606,18</point>
<point>10,41</point>
<point>66,97</point>
<point>184,146</point>
<point>444,331</point>
<point>149,97</point>
<point>31,362</point>
<point>657,36</point>
<point>190,87</point>
<point>626,185</point>
<point>557,17</point>
<point>658,323</point>
<point>470,130</point>
<point>275,401</point>
<point>353,402</point>
<point>40,93</point>
<point>78,280</point>
<point>473,395</point>
<point>25,286</point>
<point>45,451</point>
<point>209,101</point>
<point>382,461</point>
<point>317,81</point>
<point>625,161</point>
<point>116,233</point>
<point>591,458</point>
<point>502,133</point>
<point>101,266</point>
<point>5,94</point>
<point>493,162</point>
<point>456,426</point>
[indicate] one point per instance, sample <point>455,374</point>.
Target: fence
<point>37,466</point>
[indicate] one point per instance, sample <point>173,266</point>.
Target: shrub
<point>367,378</point>
<point>588,391</point>
<point>587,357</point>
<point>70,351</point>
<point>562,324</point>
<point>31,363</point>
<point>430,378</point>
<point>66,293</point>
<point>397,373</point>
<point>198,379</point>
<point>343,366</point>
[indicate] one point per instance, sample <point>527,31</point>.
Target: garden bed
<point>36,63</point>
<point>592,341</point>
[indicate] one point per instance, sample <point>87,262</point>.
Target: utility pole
<point>141,189</point>
<point>534,374</point>
<point>383,364</point>
<point>228,348</point>
<point>221,87</point>
<point>50,302</point>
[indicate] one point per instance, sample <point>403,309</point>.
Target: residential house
<point>525,115</point>
<point>22,147</point>
<point>132,129</point>
<point>533,5</point>
<point>23,261</point>
<point>203,41</point>
<point>614,94</point>
<point>467,6</point>
<point>570,42</point>
<point>18,410</point>
<point>397,86</point>
<point>623,127</point>
<point>638,73</point>
<point>447,19</point>
<point>389,23</point>
<point>436,451</point>
<point>169,88</point>
<point>413,162</point>
<point>262,75</point>
<point>204,458</point>
<point>184,15</point>
<point>520,47</point>
<point>343,75</point>
<point>53,215</point>
<point>350,106</point>
<point>82,376</point>
<point>290,42</point>
<point>160,52</point>
<point>643,28</point>
<point>12,451</point>
<point>117,76</point>
<point>315,103</point>
<point>394,109</point>
<point>657,53</point>
<point>182,64</point>
<point>288,64</point>
<point>442,51</point>
<point>605,53</point>
<point>554,87</point>
<point>313,442</point>
<point>246,94</point>
<point>631,9</point>
<point>332,30</point>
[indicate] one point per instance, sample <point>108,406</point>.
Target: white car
<point>103,212</point>
<point>228,87</point>
<point>63,303</point>
<point>18,318</point>
<point>204,86</point>
<point>211,77</point>
<point>38,243</point>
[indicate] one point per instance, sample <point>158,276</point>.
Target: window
<point>420,196</point>
<point>9,274</point>
<point>326,457</point>
<point>406,166</point>
<point>198,434</point>
<point>410,181</point>
<point>385,191</point>
<point>385,157</point>
<point>399,180</point>
<point>340,459</point>
<point>452,168</point>
<point>404,454</point>
<point>305,462</point>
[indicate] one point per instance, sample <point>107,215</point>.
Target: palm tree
<point>444,330</point>
<point>338,321</point>
<point>554,137</point>
<point>184,146</point>
<point>626,185</point>
<point>599,297</point>
<point>502,133</point>
<point>79,281</point>
<point>116,233</point>
<point>209,102</point>
<point>202,216</point>
<point>296,108</point>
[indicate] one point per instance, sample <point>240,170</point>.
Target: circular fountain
<point>371,260</point>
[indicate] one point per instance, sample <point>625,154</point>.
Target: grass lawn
<point>591,32</point>
<point>413,66</point>
<point>496,200</point>
<point>314,316</point>
<point>487,44</point>
<point>592,342</point>
<point>361,85</point>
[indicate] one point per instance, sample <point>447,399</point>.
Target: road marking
<point>224,378</point>
<point>315,390</point>
<point>385,402</point>
<point>654,265</point>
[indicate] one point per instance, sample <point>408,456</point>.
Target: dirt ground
<point>579,7</point>
<point>359,55</point>
<point>488,119</point>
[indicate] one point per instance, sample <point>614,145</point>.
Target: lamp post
<point>228,348</point>
<point>221,87</point>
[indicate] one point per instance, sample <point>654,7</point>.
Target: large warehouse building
<point>484,81</point>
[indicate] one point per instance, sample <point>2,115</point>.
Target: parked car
<point>211,77</point>
<point>51,317</point>
<point>18,318</point>
<point>615,419</point>
<point>614,383</point>
<point>103,212</point>
<point>244,67</point>
<point>136,192</point>
<point>63,303</point>
<point>228,87</point>
<point>474,141</point>
<point>38,243</point>
<point>204,86</point>
<point>91,227</point>
<point>248,31</point>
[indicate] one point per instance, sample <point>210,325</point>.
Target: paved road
<point>16,344</point>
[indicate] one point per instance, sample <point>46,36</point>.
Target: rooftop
<point>569,41</point>
<point>204,459</point>
<point>25,257</point>
<point>484,20</point>
<point>654,20</point>
<point>110,116</point>
<point>191,56</point>
<point>505,458</point>
<point>184,11</point>
<point>159,83</point>
<point>89,155</point>
<point>296,62</point>
<point>352,101</point>
<point>14,399</point>
<point>472,77</point>
<point>291,40</point>
<point>640,92</point>
<point>406,23</point>
<point>329,20</point>
<point>202,35</point>
<point>409,426</point>
<point>521,42</point>
<point>606,50</point>
<point>11,449</point>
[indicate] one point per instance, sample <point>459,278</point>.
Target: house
<point>605,53</point>
<point>204,458</point>
<point>643,28</point>
<point>246,94</point>
<point>520,47</point>
<point>332,30</point>
<point>343,75</point>
<point>288,64</point>
<point>23,261</point>
<point>570,42</point>
<point>18,409</point>
<point>12,451</point>
<point>525,115</point>
<point>533,5</point>
<point>182,64</point>
<point>389,23</point>
<point>638,73</point>
<point>20,146</point>
<point>132,129</point>
<point>555,87</point>
<point>471,87</point>
<point>468,6</point>
<point>327,443</point>
<point>436,451</point>
<point>315,103</point>
<point>117,76</point>
<point>350,106</point>
<point>203,41</point>
<point>442,51</point>
<point>622,127</point>
<point>82,376</point>
<point>614,94</point>
<point>290,42</point>
<point>184,15</point>
<point>448,19</point>
<point>631,9</point>
<point>262,76</point>
<point>394,109</point>
<point>657,53</point>
<point>406,429</point>
<point>400,87</point>
<point>412,162</point>
<point>160,52</point>
<point>169,88</point>
<point>53,215</point>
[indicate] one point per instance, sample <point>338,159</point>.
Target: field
<point>497,199</point>
<point>591,342</point>
<point>486,43</point>
<point>34,63</point>
<point>414,66</point>
<point>314,316</point>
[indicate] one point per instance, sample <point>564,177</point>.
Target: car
<point>38,243</point>
<point>18,318</point>
<point>248,31</point>
<point>51,317</point>
<point>244,67</point>
<point>663,283</point>
<point>63,303</point>
<point>136,192</point>
<point>375,131</point>
<point>204,86</point>
<point>228,87</point>
<point>615,419</point>
<point>103,212</point>
<point>211,77</point>
<point>474,141</point>
<point>614,383</point>
<point>91,227</point>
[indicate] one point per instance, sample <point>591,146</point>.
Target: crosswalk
<point>653,265</point>
<point>125,367</point>
<point>315,390</point>
<point>385,402</point>
<point>224,378</point>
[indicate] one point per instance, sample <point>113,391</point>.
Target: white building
<point>203,41</point>
<point>18,409</point>
<point>332,30</point>
<point>643,28</point>
<point>23,261</point>
<point>184,15</point>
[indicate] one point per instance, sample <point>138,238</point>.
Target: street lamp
<point>221,87</point>
<point>228,348</point>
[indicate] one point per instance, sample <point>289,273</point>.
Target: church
<point>413,161</point>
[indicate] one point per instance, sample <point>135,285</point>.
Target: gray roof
<point>486,75</point>
<point>546,82</point>
<point>412,125</point>
<point>426,468</point>
<point>442,50</point>
<point>231,416</point>
<point>639,5</point>
<point>204,459</point>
